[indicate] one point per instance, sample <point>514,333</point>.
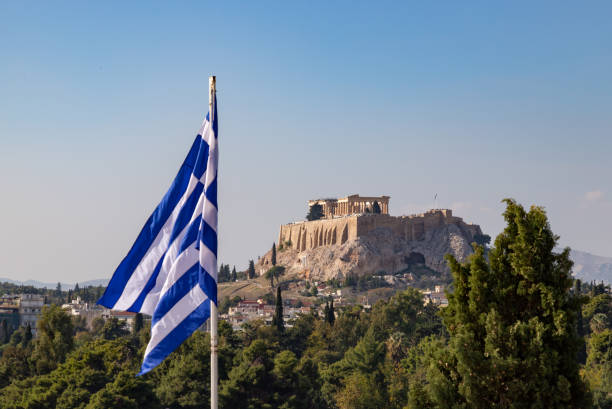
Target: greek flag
<point>171,271</point>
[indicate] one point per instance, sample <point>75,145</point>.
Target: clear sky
<point>474,101</point>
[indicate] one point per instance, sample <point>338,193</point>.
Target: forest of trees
<point>518,332</point>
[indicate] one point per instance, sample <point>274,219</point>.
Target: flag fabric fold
<point>170,273</point>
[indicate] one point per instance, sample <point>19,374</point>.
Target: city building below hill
<point>436,297</point>
<point>82,309</point>
<point>128,318</point>
<point>250,310</point>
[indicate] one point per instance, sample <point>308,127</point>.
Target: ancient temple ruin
<point>353,204</point>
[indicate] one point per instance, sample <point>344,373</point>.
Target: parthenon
<point>353,204</point>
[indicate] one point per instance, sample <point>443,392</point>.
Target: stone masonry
<point>353,204</point>
<point>338,230</point>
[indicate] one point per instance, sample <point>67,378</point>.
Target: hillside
<point>589,267</point>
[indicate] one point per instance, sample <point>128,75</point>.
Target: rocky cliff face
<point>378,251</point>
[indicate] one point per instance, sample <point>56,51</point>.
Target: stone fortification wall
<point>309,235</point>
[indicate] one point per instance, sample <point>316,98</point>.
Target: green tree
<point>234,275</point>
<point>28,335</point>
<point>512,323</point>
<point>360,376</point>
<point>113,329</point>
<point>580,323</point>
<point>6,336</point>
<point>125,391</point>
<point>274,273</point>
<point>99,374</point>
<point>330,315</point>
<point>251,270</point>
<point>277,319</point>
<point>96,326</point>
<point>79,324</point>
<point>598,368</point>
<point>599,322</point>
<point>54,341</point>
<point>482,239</point>
<point>273,257</point>
<point>418,397</point>
<point>360,391</point>
<point>249,381</point>
<point>598,304</point>
<point>225,274</point>
<point>405,313</point>
<point>183,379</point>
<point>58,290</point>
<point>14,364</point>
<point>376,208</point>
<point>138,323</point>
<point>315,212</point>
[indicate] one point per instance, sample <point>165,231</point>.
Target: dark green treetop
<point>315,212</point>
<point>376,208</point>
<point>251,270</point>
<point>277,319</point>
<point>512,323</point>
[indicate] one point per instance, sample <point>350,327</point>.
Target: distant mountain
<point>65,286</point>
<point>589,267</point>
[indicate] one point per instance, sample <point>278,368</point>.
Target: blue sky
<point>473,101</point>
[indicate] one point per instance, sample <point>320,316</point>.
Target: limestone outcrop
<point>374,250</point>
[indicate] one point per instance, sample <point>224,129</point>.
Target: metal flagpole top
<point>212,89</point>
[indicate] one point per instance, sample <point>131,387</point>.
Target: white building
<point>437,296</point>
<point>80,309</point>
<point>30,308</point>
<point>249,310</point>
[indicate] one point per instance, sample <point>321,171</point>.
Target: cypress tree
<point>512,323</point>
<point>376,208</point>
<point>273,254</point>
<point>582,354</point>
<point>326,311</point>
<point>28,335</point>
<point>277,319</point>
<point>234,274</point>
<point>138,322</point>
<point>251,270</point>
<point>331,316</point>
<point>5,332</point>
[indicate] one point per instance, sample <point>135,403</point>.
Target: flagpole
<point>214,341</point>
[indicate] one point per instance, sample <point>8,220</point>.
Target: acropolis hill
<point>352,238</point>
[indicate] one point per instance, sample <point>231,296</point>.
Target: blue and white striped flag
<point>171,271</point>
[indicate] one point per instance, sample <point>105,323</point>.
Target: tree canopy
<point>315,212</point>
<point>512,323</point>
